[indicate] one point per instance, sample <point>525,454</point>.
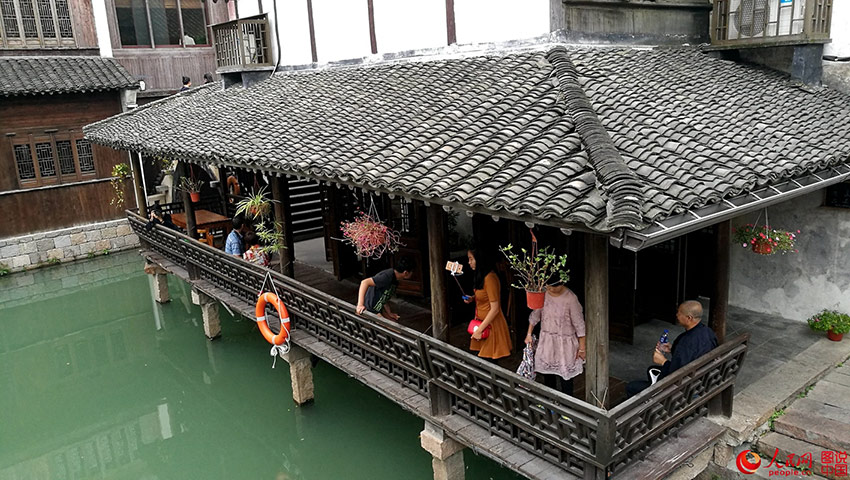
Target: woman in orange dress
<point>488,309</point>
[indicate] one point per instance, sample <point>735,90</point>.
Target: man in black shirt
<point>375,292</point>
<point>697,340</point>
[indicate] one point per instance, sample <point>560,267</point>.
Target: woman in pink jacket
<point>561,349</point>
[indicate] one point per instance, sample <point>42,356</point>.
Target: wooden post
<point>451,31</point>
<point>596,319</point>
<point>222,188</point>
<point>283,214</point>
<point>720,296</point>
<point>437,256</point>
<point>141,197</point>
<point>188,206</point>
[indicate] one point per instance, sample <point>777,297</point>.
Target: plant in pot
<point>192,187</point>
<point>369,236</point>
<point>765,240</point>
<point>834,323</point>
<point>257,205</point>
<point>535,270</point>
<point>120,173</point>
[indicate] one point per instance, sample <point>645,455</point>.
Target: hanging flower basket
<point>369,237</point>
<point>765,240</point>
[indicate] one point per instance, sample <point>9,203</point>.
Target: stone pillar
<point>447,453</point>
<point>209,313</point>
<point>301,373</point>
<point>160,282</point>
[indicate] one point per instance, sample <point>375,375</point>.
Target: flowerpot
<point>835,337</point>
<point>195,196</point>
<point>763,248</point>
<point>535,299</point>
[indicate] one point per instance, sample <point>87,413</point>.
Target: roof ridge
<point>617,181</point>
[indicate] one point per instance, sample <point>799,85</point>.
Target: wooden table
<point>205,220</point>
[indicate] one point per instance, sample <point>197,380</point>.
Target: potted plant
<point>765,240</point>
<point>534,270</point>
<point>120,173</point>
<point>255,206</point>
<point>834,323</point>
<point>192,187</point>
<point>369,236</point>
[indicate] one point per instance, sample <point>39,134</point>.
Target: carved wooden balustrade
<point>547,423</point>
<point>243,43</point>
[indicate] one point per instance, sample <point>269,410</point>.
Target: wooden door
<point>338,205</point>
<point>409,219</point>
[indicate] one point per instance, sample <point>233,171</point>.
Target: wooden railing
<point>748,22</point>
<point>540,420</point>
<point>241,44</point>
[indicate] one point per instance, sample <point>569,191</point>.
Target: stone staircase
<point>816,423</point>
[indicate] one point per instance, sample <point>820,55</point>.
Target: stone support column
<point>209,313</point>
<point>160,282</point>
<point>447,453</point>
<point>301,373</point>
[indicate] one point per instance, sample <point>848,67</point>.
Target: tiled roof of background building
<point>603,138</point>
<point>52,75</point>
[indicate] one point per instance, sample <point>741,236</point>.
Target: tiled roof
<point>600,138</point>
<point>51,75</point>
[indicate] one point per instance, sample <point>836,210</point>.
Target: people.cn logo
<point>747,466</point>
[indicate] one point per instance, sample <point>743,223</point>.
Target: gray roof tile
<point>54,75</point>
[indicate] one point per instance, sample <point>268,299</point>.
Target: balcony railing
<point>242,44</point>
<point>762,22</point>
<point>554,426</point>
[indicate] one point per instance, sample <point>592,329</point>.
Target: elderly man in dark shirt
<point>697,340</point>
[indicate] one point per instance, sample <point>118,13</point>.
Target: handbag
<point>473,326</point>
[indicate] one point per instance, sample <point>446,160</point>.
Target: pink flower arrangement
<point>765,240</point>
<point>369,237</point>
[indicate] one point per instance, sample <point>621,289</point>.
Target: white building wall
<point>342,29</point>
<point>401,26</point>
<point>101,26</point>
<point>840,30</point>
<point>500,20</point>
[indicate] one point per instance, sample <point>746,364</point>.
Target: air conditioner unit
<point>765,18</point>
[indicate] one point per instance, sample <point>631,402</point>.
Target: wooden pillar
<point>209,312</point>
<point>301,374</point>
<point>141,198</point>
<point>222,188</point>
<point>446,453</point>
<point>283,214</point>
<point>437,256</point>
<point>596,319</point>
<point>188,206</point>
<point>720,296</point>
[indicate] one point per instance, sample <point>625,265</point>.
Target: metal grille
<point>10,21</point>
<point>45,14</point>
<point>66,157</point>
<point>28,19</point>
<point>46,163</point>
<point>23,157</point>
<point>63,15</point>
<point>84,156</point>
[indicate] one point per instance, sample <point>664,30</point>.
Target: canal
<point>99,381</point>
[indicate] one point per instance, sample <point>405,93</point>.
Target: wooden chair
<point>205,236</point>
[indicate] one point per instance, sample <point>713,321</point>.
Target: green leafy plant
<point>776,414</point>
<point>190,185</point>
<point>764,239</point>
<point>105,251</point>
<point>255,206</point>
<point>805,392</point>
<point>4,269</point>
<point>535,271</point>
<point>828,320</point>
<point>53,261</point>
<point>120,173</point>
<point>90,255</point>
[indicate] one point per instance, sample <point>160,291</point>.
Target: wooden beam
<point>141,196</point>
<point>596,319</point>
<point>451,33</point>
<point>188,206</point>
<point>283,214</point>
<point>312,31</point>
<point>720,296</point>
<point>437,256</point>
<point>372,38</point>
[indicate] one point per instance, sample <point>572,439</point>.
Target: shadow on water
<point>99,381</point>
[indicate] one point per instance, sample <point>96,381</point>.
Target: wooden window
<point>51,159</point>
<point>35,24</point>
<point>173,23</point>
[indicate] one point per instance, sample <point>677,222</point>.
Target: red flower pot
<point>195,196</point>
<point>835,337</point>
<point>763,248</point>
<point>535,299</point>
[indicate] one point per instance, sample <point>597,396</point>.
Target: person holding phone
<point>487,292</point>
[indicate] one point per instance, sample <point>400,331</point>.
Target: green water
<point>99,381</point>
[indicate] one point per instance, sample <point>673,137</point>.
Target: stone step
<point>831,392</point>
<point>768,445</point>
<point>827,433</point>
<point>840,377</point>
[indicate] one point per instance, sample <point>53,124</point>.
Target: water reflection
<point>99,381</point>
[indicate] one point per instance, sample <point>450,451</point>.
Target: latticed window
<point>35,24</point>
<point>50,159</point>
<point>171,23</point>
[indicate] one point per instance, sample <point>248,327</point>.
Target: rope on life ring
<point>280,342</point>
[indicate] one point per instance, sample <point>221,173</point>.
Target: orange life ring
<point>233,183</point>
<point>260,311</point>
